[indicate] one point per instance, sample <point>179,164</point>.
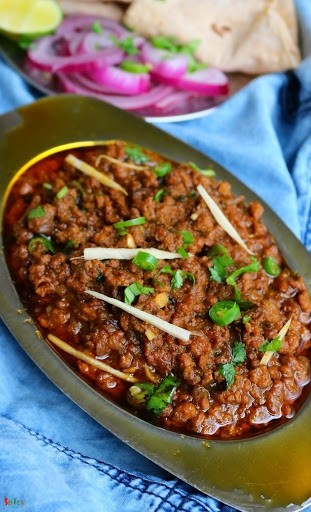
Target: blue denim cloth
<point>53,456</point>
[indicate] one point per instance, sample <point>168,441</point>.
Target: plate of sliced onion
<point>158,79</point>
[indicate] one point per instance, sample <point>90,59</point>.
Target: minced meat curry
<point>226,350</point>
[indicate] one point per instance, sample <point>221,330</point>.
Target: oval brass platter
<point>271,471</point>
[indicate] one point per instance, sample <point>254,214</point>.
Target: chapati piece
<point>252,37</point>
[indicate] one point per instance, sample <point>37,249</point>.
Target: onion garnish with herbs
<point>98,57</point>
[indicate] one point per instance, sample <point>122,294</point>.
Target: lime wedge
<point>29,17</point>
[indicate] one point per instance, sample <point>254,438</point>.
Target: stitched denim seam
<point>166,498</point>
<point>112,472</point>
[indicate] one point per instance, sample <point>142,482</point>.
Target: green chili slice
<point>224,312</point>
<point>145,261</point>
<point>40,239</point>
<point>271,266</point>
<point>205,172</point>
<point>123,224</point>
<point>217,250</point>
<point>252,267</point>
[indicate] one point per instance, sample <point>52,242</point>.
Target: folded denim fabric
<point>53,456</point>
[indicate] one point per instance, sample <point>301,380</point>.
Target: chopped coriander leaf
<point>127,45</point>
<point>134,67</point>
<point>205,172</point>
<point>158,197</point>
<point>139,393</point>
<point>162,395</point>
<point>96,27</point>
<point>271,346</point>
<point>183,253</point>
<point>187,237</point>
<point>224,312</point>
<point>219,270</point>
<point>178,276</point>
<point>43,240</point>
<point>238,352</point>
<point>177,279</point>
<point>134,290</point>
<point>137,155</point>
<point>145,261</point>
<point>47,186</point>
<point>162,169</point>
<point>36,213</point>
<point>271,266</point>
<point>123,224</point>
<point>227,371</point>
<point>62,192</point>
<point>166,269</point>
<point>192,194</point>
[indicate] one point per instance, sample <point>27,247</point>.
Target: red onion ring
<point>120,81</point>
<point>44,57</point>
<point>125,102</point>
<point>208,81</point>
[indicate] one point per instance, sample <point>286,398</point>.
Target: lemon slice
<point>29,17</point>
